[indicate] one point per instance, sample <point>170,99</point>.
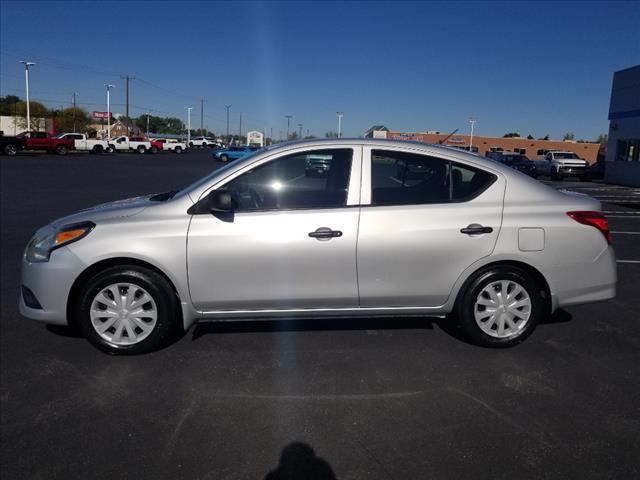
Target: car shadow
<point>298,461</point>
<point>559,316</point>
<point>64,331</point>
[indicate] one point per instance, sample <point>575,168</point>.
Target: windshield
<point>565,155</point>
<point>216,173</point>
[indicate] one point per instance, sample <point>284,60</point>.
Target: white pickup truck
<point>167,144</point>
<point>84,144</point>
<point>559,164</point>
<point>129,144</point>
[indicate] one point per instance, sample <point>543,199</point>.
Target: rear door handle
<point>325,233</point>
<point>476,229</point>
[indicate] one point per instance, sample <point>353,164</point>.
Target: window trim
<point>366,187</point>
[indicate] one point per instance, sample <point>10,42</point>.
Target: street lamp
<point>289,117</point>
<point>472,121</point>
<point>300,130</point>
<point>227,107</point>
<point>26,77</point>
<point>339,115</point>
<point>188,124</point>
<point>109,87</point>
<point>75,94</point>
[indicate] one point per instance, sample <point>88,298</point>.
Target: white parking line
<point>623,216</point>
<point>626,233</point>
<point>627,261</point>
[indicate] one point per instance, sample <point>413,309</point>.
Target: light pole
<point>74,110</point>
<point>147,124</point>
<point>26,78</point>
<point>339,115</point>
<point>109,87</point>
<point>472,121</point>
<point>289,117</point>
<point>188,124</point>
<point>227,107</point>
<point>300,130</point>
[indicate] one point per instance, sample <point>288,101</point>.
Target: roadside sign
<point>102,114</point>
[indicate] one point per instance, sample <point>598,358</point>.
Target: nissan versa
<point>388,229</point>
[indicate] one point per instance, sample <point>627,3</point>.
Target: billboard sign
<point>254,138</point>
<point>104,115</point>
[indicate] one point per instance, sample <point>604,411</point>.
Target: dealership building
<point>533,149</point>
<point>623,147</point>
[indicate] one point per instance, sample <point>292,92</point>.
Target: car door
<point>290,242</point>
<point>418,232</point>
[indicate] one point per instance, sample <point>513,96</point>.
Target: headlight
<point>48,239</point>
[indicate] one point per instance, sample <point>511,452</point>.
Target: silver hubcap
<point>502,309</point>
<point>123,314</point>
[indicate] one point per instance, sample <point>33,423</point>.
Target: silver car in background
<point>388,229</point>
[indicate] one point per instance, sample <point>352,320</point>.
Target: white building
<point>623,147</point>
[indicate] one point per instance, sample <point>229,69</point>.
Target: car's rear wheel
<point>154,150</point>
<point>500,306</point>
<point>178,150</point>
<point>96,149</point>
<point>141,149</point>
<point>128,310</point>
<point>61,150</point>
<point>111,149</point>
<point>224,158</point>
<point>10,149</point>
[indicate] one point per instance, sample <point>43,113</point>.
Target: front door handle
<point>476,229</point>
<point>325,233</point>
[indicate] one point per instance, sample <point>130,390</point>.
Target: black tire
<point>168,323</point>
<point>96,149</point>
<point>153,150</point>
<point>466,301</point>
<point>178,150</point>
<point>224,158</point>
<point>61,150</point>
<point>10,149</point>
<point>111,149</point>
<point>140,149</point>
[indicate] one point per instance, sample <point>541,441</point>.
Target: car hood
<point>105,211</point>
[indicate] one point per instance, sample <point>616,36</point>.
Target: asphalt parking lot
<point>392,399</point>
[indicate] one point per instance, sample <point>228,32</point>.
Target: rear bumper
<point>585,283</point>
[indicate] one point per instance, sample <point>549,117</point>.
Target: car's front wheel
<point>10,149</point>
<point>178,150</point>
<point>128,310</point>
<point>224,158</point>
<point>61,150</point>
<point>500,306</point>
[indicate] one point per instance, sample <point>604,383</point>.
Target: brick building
<point>534,149</point>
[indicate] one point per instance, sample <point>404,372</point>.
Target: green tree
<point>38,113</point>
<point>66,120</point>
<point>7,105</point>
<point>529,137</point>
<point>511,135</point>
<point>602,138</point>
<point>569,136</point>
<point>331,135</point>
<point>546,137</point>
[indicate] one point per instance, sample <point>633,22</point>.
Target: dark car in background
<point>596,171</point>
<point>518,162</point>
<point>10,145</point>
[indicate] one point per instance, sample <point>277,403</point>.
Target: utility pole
<point>227,107</point>
<point>339,115</point>
<point>271,134</point>
<point>202,100</point>
<point>472,121</point>
<point>147,124</point>
<point>74,110</point>
<point>300,130</point>
<point>26,77</point>
<point>126,79</point>
<point>289,117</point>
<point>240,134</point>
<point>188,124</point>
<point>109,87</point>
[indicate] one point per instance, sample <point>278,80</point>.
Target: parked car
<point>560,164</point>
<point>167,145</point>
<point>126,144</point>
<point>44,141</point>
<point>596,171</point>
<point>258,239</point>
<point>82,143</point>
<point>203,142</point>
<point>518,162</point>
<point>10,145</point>
<point>232,153</point>
<point>317,164</point>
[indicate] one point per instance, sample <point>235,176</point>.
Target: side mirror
<point>219,201</point>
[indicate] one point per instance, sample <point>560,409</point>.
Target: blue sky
<point>533,67</point>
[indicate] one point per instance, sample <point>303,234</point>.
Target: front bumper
<point>50,283</point>
<point>567,171</point>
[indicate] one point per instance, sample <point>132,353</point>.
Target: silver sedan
<point>382,229</point>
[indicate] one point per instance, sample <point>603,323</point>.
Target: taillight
<point>593,219</point>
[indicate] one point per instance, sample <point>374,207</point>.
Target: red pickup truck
<point>44,141</point>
